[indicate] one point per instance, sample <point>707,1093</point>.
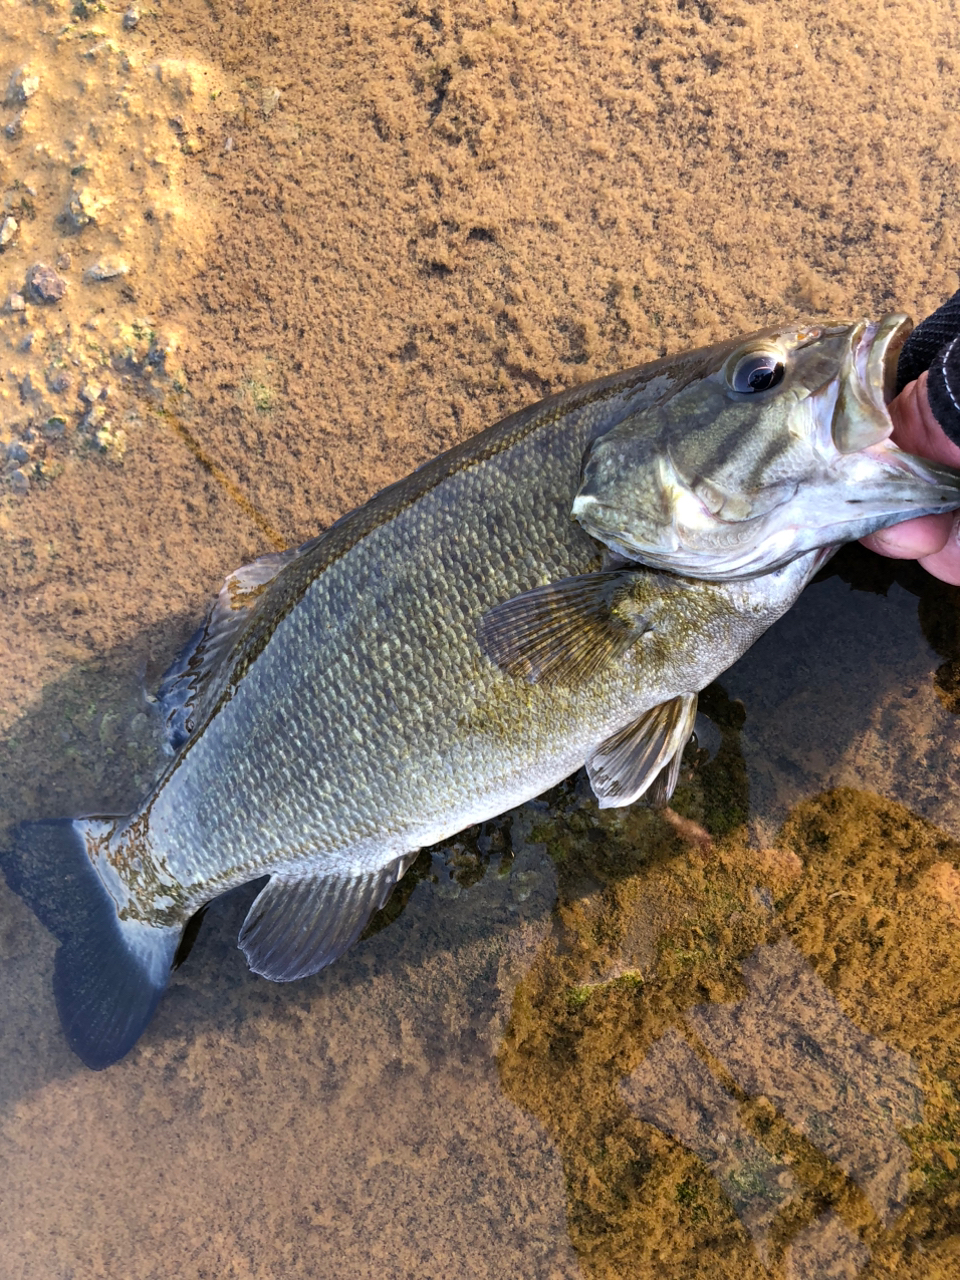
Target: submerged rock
<point>44,284</point>
<point>106,269</point>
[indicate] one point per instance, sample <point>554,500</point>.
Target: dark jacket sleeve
<point>934,345</point>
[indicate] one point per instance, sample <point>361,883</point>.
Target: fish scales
<point>468,638</point>
<point>371,705</point>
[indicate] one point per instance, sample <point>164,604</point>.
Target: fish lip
<point>875,351</point>
<point>855,407</point>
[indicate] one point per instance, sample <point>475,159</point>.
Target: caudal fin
<point>108,974</point>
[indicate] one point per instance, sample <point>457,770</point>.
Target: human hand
<point>933,540</point>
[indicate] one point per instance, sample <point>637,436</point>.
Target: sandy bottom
<point>294,250</point>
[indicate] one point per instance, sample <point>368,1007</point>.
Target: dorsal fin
<point>191,683</point>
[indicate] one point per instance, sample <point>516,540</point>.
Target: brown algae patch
<point>748,1061</point>
<point>102,214</point>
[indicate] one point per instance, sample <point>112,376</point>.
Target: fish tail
<point>109,973</point>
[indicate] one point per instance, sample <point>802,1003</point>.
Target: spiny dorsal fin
<point>297,926</point>
<point>565,632</point>
<point>645,755</point>
<point>190,683</point>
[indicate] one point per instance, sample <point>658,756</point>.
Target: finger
<point>916,430</point>
<point>945,563</point>
<point>912,539</point>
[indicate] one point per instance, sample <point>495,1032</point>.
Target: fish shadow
<point>856,685</point>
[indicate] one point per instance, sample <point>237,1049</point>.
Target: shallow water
<point>349,237</point>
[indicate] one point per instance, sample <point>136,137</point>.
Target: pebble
<point>92,51</point>
<point>91,391</point>
<point>21,87</point>
<point>43,283</point>
<point>58,380</point>
<point>17,453</point>
<point>106,269</point>
<point>8,229</point>
<point>131,18</point>
<point>75,215</point>
<point>19,482</point>
<point>17,302</point>
<point>94,417</point>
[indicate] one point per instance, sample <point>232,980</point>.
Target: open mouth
<point>868,382</point>
<point>876,348</point>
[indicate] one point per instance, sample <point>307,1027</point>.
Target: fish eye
<point>756,371</point>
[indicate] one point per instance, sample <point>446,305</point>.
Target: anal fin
<point>298,925</point>
<point>644,756</point>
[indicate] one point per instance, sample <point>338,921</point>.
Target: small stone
<point>75,216</point>
<point>269,99</point>
<point>58,380</point>
<point>105,269</point>
<point>63,262</point>
<point>131,18</point>
<point>94,50</point>
<point>44,285</point>
<point>83,207</point>
<point>54,427</point>
<point>16,302</point>
<point>19,482</point>
<point>21,87</point>
<point>17,453</point>
<point>91,392</point>
<point>13,128</point>
<point>8,229</point>
<point>93,418</point>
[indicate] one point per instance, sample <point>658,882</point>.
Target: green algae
<point>649,929</point>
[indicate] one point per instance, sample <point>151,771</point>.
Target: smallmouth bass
<point>447,651</point>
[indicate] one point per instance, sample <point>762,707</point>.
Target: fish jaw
<point>867,482</point>
<point>812,467</point>
<point>865,387</point>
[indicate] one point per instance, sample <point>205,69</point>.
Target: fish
<point>447,651</point>
<point>721,503</point>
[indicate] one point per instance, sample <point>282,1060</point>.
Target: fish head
<point>760,450</point>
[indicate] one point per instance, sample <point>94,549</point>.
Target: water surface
<point>343,238</point>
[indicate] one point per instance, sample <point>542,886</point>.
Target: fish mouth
<point>868,381</point>
<point>876,352</point>
<point>905,485</point>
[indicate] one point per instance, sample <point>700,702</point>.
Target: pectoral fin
<point>565,632</point>
<point>645,756</point>
<point>298,925</point>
